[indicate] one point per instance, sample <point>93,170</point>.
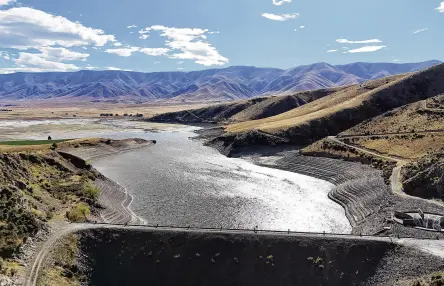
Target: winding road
<point>395,178</point>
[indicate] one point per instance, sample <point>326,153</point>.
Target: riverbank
<point>43,188</point>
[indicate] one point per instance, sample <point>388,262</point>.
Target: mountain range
<point>232,83</point>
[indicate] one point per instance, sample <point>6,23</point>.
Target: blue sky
<point>185,35</point>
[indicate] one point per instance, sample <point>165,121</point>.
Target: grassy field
<point>44,109</point>
<point>31,142</point>
<point>42,145</point>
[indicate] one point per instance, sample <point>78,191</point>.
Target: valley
<point>330,169</point>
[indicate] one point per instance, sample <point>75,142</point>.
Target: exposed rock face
<point>229,144</point>
<point>425,177</point>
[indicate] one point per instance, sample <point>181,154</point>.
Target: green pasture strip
<point>31,142</point>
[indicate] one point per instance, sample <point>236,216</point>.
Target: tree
<point>49,138</point>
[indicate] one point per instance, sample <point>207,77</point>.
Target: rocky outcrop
<point>229,144</point>
<point>425,177</point>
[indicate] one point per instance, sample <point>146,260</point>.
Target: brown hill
<point>243,110</point>
<point>416,117</point>
<point>348,107</point>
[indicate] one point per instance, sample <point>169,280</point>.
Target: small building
<point>404,219</point>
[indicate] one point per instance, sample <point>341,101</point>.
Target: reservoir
<point>180,182</point>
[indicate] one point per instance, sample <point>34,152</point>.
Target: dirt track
<point>395,178</point>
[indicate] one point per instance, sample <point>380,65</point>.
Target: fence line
<point>259,231</point>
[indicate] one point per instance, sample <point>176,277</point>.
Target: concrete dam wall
<point>151,257</point>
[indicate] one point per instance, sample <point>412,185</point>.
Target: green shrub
<point>91,191</point>
<point>78,213</point>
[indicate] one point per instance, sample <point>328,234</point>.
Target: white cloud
<point>85,48</point>
<point>365,49</point>
<point>116,69</point>
<point>6,2</point>
<point>118,44</point>
<point>395,61</point>
<point>131,26</point>
<point>90,67</point>
<point>180,62</point>
<point>123,52</point>
<point>345,48</point>
<point>189,44</point>
<point>420,31</point>
<point>156,63</point>
<point>49,59</point>
<point>280,17</point>
<point>95,48</point>
<point>213,32</point>
<point>145,31</point>
<point>61,54</point>
<point>34,62</point>
<point>302,27</point>
<point>345,41</point>
<point>279,3</point>
<point>144,37</point>
<point>331,51</point>
<point>155,51</point>
<point>440,9</point>
<point>20,69</point>
<point>24,28</point>
<point>5,55</point>
<point>180,69</point>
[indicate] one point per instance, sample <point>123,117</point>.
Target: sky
<point>187,35</point>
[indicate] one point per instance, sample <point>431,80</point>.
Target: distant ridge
<point>232,83</point>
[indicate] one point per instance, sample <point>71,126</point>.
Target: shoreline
<point>115,211</point>
<point>359,189</point>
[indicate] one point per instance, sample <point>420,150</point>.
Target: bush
<point>54,146</point>
<point>91,191</point>
<point>78,213</point>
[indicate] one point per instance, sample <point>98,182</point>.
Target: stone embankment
<point>172,257</point>
<point>116,201</point>
<point>360,189</point>
<point>114,198</point>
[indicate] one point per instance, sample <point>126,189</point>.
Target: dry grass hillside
<point>411,136</point>
<point>416,117</point>
<point>348,107</point>
<point>238,111</point>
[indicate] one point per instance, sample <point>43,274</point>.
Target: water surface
<point>179,182</point>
